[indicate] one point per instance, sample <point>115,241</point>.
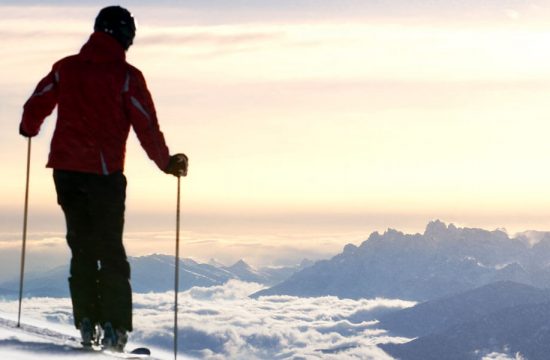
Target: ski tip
<point>141,351</point>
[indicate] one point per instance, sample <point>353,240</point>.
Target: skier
<point>99,96</point>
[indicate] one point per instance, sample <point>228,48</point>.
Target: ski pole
<point>176,283</point>
<point>25,215</point>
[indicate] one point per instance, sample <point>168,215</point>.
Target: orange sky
<point>312,124</point>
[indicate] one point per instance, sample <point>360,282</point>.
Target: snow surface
<point>40,342</point>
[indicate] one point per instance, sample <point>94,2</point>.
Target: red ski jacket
<point>99,96</point>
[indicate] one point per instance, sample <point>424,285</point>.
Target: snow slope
<point>36,341</point>
<point>46,340</point>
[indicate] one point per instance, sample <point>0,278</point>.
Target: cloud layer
<point>223,323</point>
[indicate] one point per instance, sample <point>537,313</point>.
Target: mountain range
<point>443,260</point>
<point>155,273</point>
<point>502,317</point>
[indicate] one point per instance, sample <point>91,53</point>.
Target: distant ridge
<point>441,261</point>
<point>154,273</point>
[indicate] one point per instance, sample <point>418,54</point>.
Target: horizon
<point>48,250</point>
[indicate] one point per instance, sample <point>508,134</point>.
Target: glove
<point>177,165</point>
<point>23,132</point>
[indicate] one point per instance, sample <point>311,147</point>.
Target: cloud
<point>223,323</point>
<point>44,251</point>
<point>512,14</point>
<point>501,356</point>
<point>260,248</point>
<point>181,36</point>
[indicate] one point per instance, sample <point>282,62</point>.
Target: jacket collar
<point>102,47</point>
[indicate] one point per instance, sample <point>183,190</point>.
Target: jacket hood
<point>102,47</point>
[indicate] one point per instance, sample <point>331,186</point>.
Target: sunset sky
<point>306,117</point>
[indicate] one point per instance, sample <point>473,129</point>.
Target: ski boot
<point>90,333</point>
<point>114,339</point>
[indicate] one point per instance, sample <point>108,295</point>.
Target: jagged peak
<point>435,227</point>
<point>374,235</point>
<point>393,232</point>
<point>350,249</point>
<point>241,264</point>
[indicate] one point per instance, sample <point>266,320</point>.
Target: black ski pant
<point>100,273</point>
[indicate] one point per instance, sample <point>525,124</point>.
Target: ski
<point>137,353</point>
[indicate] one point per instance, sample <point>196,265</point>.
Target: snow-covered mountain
<point>441,261</point>
<point>49,283</point>
<point>154,273</point>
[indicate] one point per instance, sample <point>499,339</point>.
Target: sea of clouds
<point>222,322</point>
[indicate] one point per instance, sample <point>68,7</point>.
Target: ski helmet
<point>117,22</point>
